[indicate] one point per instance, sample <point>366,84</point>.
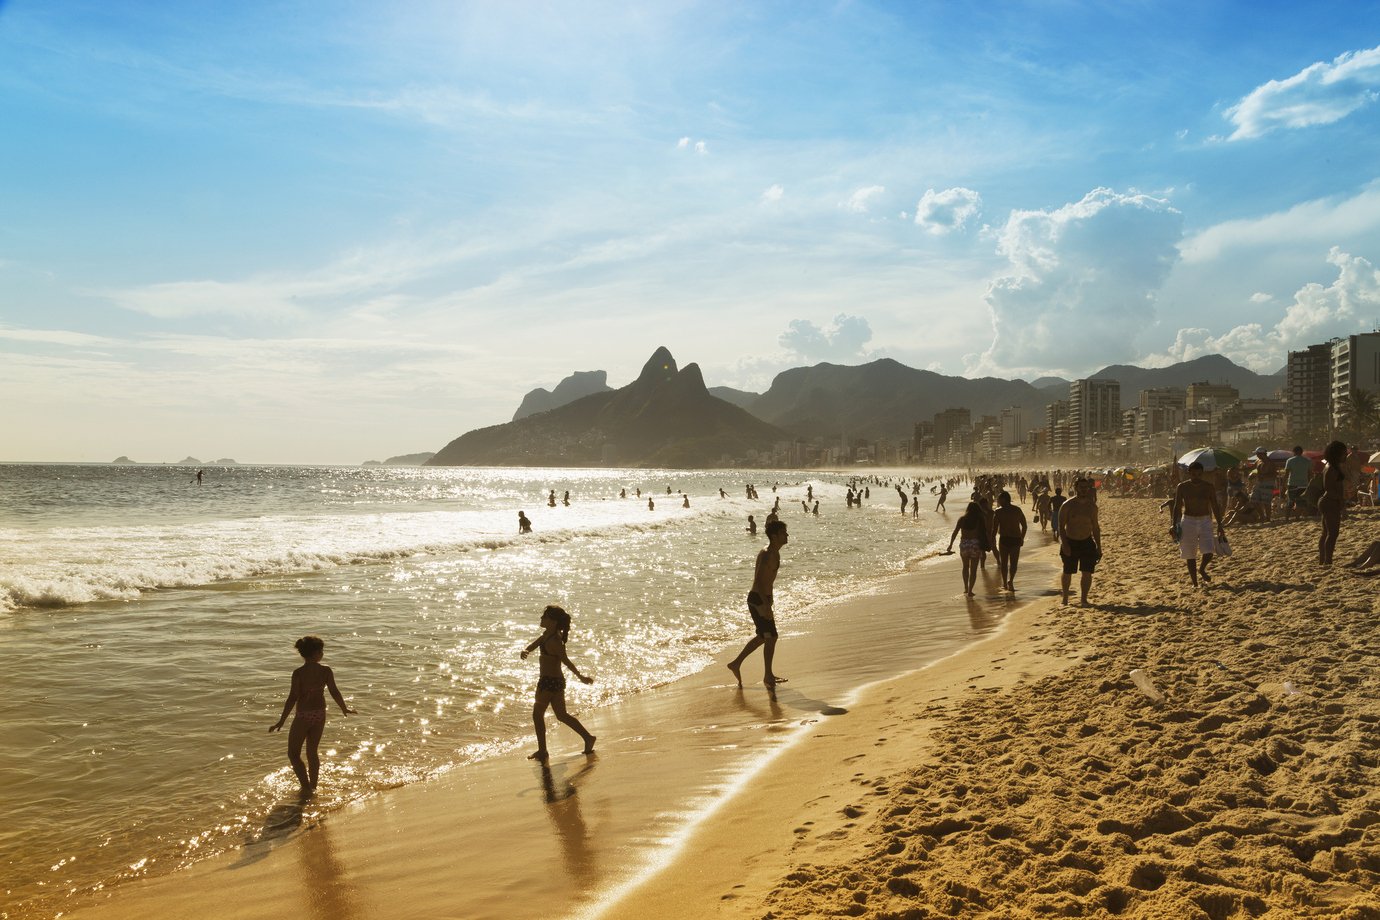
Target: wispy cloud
<point>1319,94</point>
<point>942,213</point>
<point>862,199</point>
<point>1319,221</point>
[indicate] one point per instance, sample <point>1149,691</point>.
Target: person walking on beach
<point>555,624</point>
<point>1011,529</point>
<point>761,606</point>
<point>1056,501</point>
<point>972,528</point>
<point>1191,516</point>
<point>1080,538</point>
<point>1298,469</point>
<point>943,494</point>
<point>1333,498</point>
<point>308,694</point>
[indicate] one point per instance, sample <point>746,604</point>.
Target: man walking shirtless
<point>759,602</point>
<point>1080,538</point>
<point>1195,507</point>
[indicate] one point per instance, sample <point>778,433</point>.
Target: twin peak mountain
<point>664,418</point>
<point>667,417</point>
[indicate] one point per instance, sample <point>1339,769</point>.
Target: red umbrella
<point>1317,457</point>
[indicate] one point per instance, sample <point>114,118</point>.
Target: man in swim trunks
<point>759,602</point>
<point>1011,528</point>
<point>1195,507</point>
<point>1080,538</point>
<point>1266,472</point>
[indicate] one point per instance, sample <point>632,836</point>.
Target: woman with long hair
<point>1333,498</point>
<point>973,528</point>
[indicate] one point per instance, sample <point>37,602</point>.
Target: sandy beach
<point>1029,777</point>
<point>1023,774</point>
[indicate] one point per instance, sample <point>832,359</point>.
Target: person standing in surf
<point>308,693</point>
<point>555,624</point>
<point>760,606</point>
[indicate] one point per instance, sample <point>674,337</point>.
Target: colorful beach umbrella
<point>1212,458</point>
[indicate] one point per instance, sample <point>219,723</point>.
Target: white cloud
<point>1317,314</point>
<point>774,193</point>
<point>1321,221</point>
<point>940,213</point>
<point>1319,94</point>
<point>683,143</point>
<point>701,148</point>
<point>860,200</point>
<point>1083,282</point>
<point>845,338</point>
<point>1261,297</point>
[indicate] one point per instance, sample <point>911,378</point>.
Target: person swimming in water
<point>555,624</point>
<point>307,694</point>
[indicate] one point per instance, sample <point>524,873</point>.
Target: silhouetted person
<point>760,607</point>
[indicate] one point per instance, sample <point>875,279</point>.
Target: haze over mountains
<point>668,417</point>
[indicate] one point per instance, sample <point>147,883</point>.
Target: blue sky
<point>330,232</point>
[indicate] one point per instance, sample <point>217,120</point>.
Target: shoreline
<point>1058,788</point>
<point>665,758</point>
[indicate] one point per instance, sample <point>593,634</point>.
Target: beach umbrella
<point>1375,457</point>
<point>1212,458</point>
<point>1280,454</point>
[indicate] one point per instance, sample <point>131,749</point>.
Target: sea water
<point>147,622</point>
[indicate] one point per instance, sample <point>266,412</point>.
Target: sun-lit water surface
<point>147,627</point>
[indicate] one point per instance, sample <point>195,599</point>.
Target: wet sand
<point>507,838</point>
<point>1030,777</point>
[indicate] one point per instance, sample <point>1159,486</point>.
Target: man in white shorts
<point>1195,507</point>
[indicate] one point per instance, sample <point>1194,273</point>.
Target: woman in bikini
<point>973,528</point>
<point>551,679</point>
<point>1333,497</point>
<point>307,694</point>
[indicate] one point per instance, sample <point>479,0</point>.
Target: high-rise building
<point>1056,423</point>
<point>1207,395</point>
<point>1309,389</point>
<point>1013,426</point>
<point>1162,398</point>
<point>1094,408</point>
<point>948,423</point>
<point>1355,366</point>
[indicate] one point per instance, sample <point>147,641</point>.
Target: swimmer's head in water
<point>310,645</point>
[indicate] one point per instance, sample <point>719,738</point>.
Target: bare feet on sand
<point>737,674</point>
<point>771,680</point>
<point>540,756</point>
<point>589,745</point>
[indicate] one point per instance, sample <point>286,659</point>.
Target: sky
<point>328,232</point>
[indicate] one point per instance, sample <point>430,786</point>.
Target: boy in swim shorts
<point>759,601</point>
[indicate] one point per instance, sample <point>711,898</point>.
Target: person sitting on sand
<point>1195,507</point>
<point>555,624</point>
<point>524,524</point>
<point>972,531</point>
<point>1011,530</point>
<point>761,606</point>
<point>1080,538</point>
<point>308,693</point>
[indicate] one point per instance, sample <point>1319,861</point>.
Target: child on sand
<point>309,683</point>
<point>555,623</point>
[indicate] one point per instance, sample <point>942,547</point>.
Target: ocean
<point>147,627</point>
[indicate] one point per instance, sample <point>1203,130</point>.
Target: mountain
<point>740,398</point>
<point>881,399</point>
<point>1207,369</point>
<point>576,386</point>
<point>402,460</point>
<point>666,417</point>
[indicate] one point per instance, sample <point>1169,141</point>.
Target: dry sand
<point>1029,777</point>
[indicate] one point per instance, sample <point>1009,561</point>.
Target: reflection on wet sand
<point>563,808</point>
<point>326,886</point>
<point>277,828</point>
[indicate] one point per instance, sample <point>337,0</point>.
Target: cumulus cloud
<point>941,213</point>
<point>860,200</point>
<point>1319,94</point>
<point>1317,314</point>
<point>844,338</point>
<point>774,193</point>
<point>1082,284</point>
